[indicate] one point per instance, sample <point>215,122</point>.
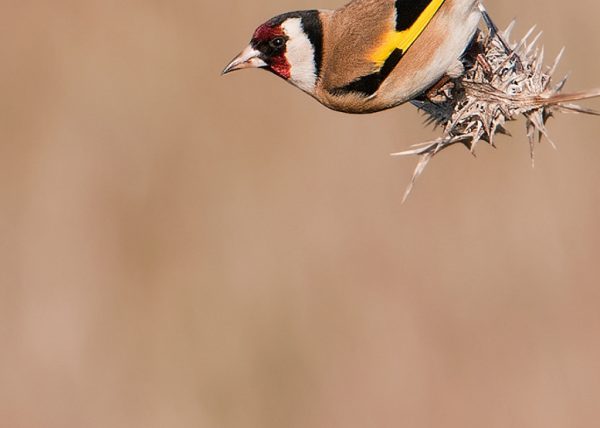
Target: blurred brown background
<point>180,249</point>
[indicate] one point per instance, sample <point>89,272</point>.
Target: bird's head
<point>289,45</point>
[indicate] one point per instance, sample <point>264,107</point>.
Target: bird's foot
<point>441,91</point>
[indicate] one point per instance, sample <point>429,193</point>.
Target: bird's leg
<point>440,91</point>
<point>475,53</point>
<point>485,65</point>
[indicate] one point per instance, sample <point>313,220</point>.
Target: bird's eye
<point>277,42</point>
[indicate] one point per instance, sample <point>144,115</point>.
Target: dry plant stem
<point>501,82</point>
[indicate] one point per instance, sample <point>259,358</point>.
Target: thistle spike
<point>481,102</point>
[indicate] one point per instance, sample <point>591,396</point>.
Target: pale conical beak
<point>248,58</point>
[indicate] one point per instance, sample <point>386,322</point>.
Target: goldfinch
<point>367,56</point>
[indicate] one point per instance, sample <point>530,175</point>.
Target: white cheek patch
<point>300,54</point>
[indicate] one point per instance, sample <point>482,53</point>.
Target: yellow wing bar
<point>404,39</point>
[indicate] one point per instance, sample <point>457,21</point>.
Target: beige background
<point>180,249</point>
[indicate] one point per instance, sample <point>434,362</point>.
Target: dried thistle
<point>502,80</point>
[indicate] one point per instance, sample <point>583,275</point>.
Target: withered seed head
<point>502,81</point>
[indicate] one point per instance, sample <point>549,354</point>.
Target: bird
<point>368,55</point>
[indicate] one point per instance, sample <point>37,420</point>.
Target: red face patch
<point>280,66</point>
<point>266,32</point>
<point>274,56</point>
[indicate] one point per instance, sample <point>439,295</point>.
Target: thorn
<point>574,108</point>
<point>506,33</point>
<point>524,39</point>
<point>556,61</point>
<point>493,28</point>
<point>417,172</point>
<point>532,44</point>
